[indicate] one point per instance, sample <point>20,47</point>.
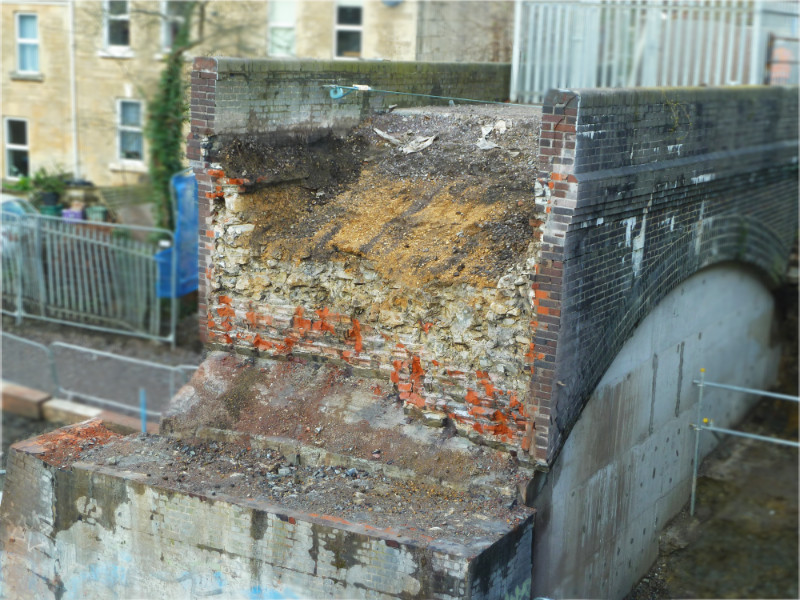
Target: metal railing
<point>706,424</point>
<point>82,273</point>
<point>92,376</point>
<point>631,43</point>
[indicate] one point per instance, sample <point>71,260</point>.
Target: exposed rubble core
<point>406,250</point>
<point>325,426</point>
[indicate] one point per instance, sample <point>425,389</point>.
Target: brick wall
<point>647,188</point>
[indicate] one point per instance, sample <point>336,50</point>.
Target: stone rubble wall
<point>459,351</point>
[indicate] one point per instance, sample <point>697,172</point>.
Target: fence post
<point>697,428</point>
<point>20,266</point>
<point>143,408</point>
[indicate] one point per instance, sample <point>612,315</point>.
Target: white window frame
<point>166,21</point>
<point>277,24</point>
<point>20,41</point>
<point>136,162</point>
<point>9,146</point>
<point>114,50</point>
<point>337,28</point>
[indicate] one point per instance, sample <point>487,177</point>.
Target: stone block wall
<point>647,188</point>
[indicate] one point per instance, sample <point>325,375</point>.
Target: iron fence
<point>80,273</point>
<point>92,376</point>
<point>631,43</point>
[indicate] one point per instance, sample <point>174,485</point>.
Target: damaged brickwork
<point>490,277</point>
<point>413,265</point>
<point>410,267</point>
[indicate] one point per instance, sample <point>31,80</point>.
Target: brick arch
<point>628,223</point>
<point>735,242</point>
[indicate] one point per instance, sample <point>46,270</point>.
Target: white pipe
<point>73,94</point>
<point>757,43</point>
<point>516,51</point>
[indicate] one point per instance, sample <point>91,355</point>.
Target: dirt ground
<point>458,210</point>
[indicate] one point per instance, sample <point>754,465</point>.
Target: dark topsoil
<point>458,210</point>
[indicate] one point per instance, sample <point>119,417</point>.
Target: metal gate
<point>92,274</point>
<point>630,43</point>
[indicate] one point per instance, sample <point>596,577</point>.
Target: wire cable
<point>336,92</point>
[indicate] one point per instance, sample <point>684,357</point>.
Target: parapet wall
<point>252,97</point>
<point>649,187</point>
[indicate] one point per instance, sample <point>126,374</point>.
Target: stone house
<point>77,75</point>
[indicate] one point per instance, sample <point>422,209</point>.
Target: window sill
<point>186,56</point>
<point>15,76</point>
<point>129,166</point>
<point>121,52</point>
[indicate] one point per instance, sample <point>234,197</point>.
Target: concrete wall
<point>97,532</point>
<point>626,468</point>
<point>238,96</point>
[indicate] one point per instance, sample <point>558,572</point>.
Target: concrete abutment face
<point>626,467</point>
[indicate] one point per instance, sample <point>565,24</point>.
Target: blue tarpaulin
<point>184,205</point>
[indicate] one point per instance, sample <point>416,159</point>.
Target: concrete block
<point>124,424</point>
<point>67,412</point>
<point>23,401</point>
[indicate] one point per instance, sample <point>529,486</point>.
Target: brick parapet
<point>203,118</point>
<point>664,183</point>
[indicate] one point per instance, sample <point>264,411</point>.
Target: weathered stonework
<point>629,193</point>
<point>422,278</point>
<point>90,530</point>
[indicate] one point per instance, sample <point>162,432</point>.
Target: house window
<point>131,145</point>
<point>17,150</point>
<point>281,27</point>
<point>117,23</point>
<point>175,13</point>
<point>27,43</point>
<point>348,28</point>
